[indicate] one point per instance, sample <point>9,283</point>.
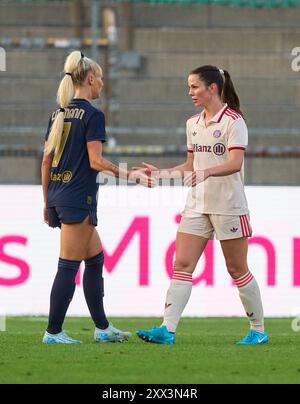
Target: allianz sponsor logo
<point>219,149</point>
<point>202,149</point>
<point>2,60</point>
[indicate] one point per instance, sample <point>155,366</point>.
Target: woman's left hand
<point>194,178</point>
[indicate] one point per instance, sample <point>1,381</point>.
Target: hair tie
<point>221,71</point>
<point>62,110</point>
<point>82,55</point>
<point>68,74</point>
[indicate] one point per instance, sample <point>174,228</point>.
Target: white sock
<point>251,299</point>
<point>178,295</point>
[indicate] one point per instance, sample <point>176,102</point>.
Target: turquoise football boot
<point>158,335</point>
<point>255,338</point>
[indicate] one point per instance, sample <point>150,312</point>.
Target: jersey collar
<point>216,119</point>
<point>80,99</point>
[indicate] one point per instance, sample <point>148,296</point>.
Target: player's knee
<point>182,266</point>
<point>236,271</point>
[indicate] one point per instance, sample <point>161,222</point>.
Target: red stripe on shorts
<point>243,226</point>
<point>246,228</point>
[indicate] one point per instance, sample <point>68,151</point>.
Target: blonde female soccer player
<point>71,162</point>
<point>216,140</point>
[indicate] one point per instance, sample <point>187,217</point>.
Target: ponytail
<point>212,74</point>
<point>229,95</point>
<point>76,68</point>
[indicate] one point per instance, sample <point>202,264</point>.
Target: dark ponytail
<point>229,95</point>
<point>212,74</point>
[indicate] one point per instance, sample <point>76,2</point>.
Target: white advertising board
<point>138,229</point>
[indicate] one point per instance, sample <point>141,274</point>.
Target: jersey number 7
<point>64,138</point>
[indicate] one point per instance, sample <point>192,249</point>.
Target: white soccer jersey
<point>211,145</point>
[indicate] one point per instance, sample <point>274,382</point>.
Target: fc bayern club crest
<point>217,134</point>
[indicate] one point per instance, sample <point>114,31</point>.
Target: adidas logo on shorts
<point>234,229</point>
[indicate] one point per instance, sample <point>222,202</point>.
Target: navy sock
<point>62,293</point>
<point>94,290</point>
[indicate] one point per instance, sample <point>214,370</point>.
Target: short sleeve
<point>190,147</point>
<point>238,135</point>
<point>95,129</point>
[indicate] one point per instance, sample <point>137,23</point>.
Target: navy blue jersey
<point>73,182</point>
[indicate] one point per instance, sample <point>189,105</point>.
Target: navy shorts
<point>65,215</point>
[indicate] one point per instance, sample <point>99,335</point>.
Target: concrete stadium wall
<point>253,44</point>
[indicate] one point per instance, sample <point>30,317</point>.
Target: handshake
<point>149,175</point>
<point>146,176</point>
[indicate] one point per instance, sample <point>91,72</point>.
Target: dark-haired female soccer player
<point>216,140</point>
<point>72,160</point>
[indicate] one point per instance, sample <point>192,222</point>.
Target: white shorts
<point>226,227</point>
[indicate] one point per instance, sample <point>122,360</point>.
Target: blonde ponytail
<point>75,62</point>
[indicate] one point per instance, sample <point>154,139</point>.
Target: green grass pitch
<point>205,352</point>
